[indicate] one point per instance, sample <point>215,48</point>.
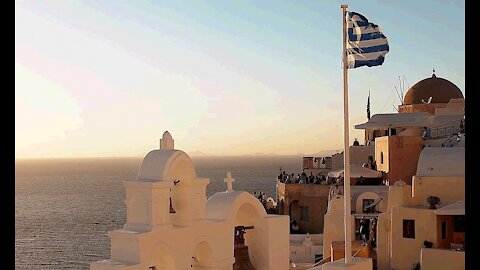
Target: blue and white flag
<point>366,44</point>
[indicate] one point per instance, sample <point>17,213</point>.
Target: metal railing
<point>444,132</point>
<point>447,129</point>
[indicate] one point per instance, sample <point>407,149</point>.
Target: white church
<point>171,224</point>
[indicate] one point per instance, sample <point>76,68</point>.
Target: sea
<point>65,207</point>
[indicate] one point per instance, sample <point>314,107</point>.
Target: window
<point>444,230</point>
<point>381,157</point>
<point>459,223</point>
<point>409,228</point>
<point>152,268</point>
<point>304,213</point>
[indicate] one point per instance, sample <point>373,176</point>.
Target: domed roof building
<point>439,89</point>
<point>171,224</point>
<point>428,94</point>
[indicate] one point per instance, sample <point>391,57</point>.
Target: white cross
<point>229,180</point>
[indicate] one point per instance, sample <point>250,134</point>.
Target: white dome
<point>224,205</point>
<point>165,165</point>
<point>441,161</point>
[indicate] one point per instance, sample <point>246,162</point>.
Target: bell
<point>172,211</point>
<point>240,252</point>
<point>242,260</point>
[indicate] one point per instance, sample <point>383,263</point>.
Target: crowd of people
<point>302,178</point>
<point>267,202</point>
<point>260,196</point>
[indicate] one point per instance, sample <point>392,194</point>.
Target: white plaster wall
<point>209,240</point>
<point>448,188</point>
<point>147,204</point>
<point>357,264</point>
<point>125,247</point>
<point>444,259</point>
<point>181,242</point>
<point>199,199</point>
<point>358,156</point>
<point>199,228</point>
<point>182,202</point>
<point>399,196</point>
<point>138,203</point>
<point>405,251</point>
<point>383,241</point>
<point>278,242</point>
<point>333,229</point>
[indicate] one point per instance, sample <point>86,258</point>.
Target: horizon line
<point>193,156</point>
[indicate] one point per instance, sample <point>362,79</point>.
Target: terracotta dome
<point>441,91</point>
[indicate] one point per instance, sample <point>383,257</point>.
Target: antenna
<point>398,94</point>
<point>402,86</point>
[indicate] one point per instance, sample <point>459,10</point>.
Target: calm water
<point>64,207</point>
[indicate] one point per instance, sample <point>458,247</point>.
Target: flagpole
<point>346,151</point>
<point>368,106</point>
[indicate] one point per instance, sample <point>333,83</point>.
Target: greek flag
<point>366,44</point>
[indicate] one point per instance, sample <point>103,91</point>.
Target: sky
<point>107,78</point>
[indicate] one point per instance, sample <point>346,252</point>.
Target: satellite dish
<point>429,100</point>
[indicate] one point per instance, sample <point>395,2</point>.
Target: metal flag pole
<point>346,149</point>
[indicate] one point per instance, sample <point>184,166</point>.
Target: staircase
<point>452,141</point>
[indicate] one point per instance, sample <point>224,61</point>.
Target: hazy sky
<point>107,78</point>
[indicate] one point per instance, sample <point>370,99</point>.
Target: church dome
<point>161,165</point>
<point>439,89</point>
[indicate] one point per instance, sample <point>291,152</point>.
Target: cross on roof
<point>229,180</point>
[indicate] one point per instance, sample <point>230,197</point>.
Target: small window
<point>304,213</point>
<point>152,268</point>
<point>409,228</point>
<point>381,157</point>
<point>444,230</point>
<point>459,223</point>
